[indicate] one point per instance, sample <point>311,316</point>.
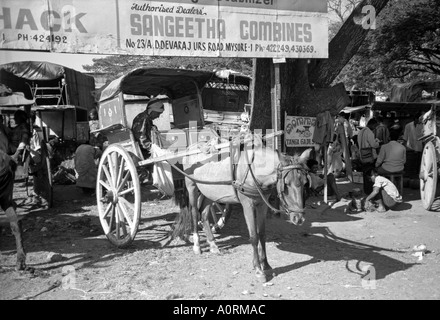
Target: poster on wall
<point>208,28</point>
<point>299,131</point>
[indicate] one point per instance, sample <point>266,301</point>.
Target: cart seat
<point>118,133</point>
<point>397,179</point>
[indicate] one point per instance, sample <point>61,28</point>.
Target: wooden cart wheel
<point>118,195</point>
<point>428,175</point>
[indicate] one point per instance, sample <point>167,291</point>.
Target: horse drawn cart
<point>181,125</point>
<point>430,157</point>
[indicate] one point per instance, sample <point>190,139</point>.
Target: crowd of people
<point>378,149</point>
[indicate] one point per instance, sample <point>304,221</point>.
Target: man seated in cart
<point>143,123</point>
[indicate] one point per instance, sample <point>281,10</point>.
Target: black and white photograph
<point>219,158</point>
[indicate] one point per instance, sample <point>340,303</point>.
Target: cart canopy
<point>176,83</point>
<point>31,76</point>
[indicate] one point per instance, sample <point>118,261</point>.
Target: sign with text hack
<point>299,131</point>
<point>207,28</point>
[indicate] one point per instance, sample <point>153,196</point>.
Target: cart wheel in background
<point>118,196</point>
<point>428,175</point>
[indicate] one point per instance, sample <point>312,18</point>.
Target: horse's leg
<point>249,215</point>
<point>16,230</point>
<point>193,195</point>
<point>261,211</point>
<point>205,209</point>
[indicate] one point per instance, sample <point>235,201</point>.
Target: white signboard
<point>207,28</point>
<point>299,131</point>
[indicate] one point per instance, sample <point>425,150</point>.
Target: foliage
<point>339,10</point>
<point>410,39</point>
<point>404,47</point>
<point>116,65</point>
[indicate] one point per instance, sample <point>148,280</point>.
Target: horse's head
<point>291,186</point>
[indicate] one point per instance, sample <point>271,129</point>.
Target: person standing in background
<point>413,131</point>
<point>381,132</point>
<point>367,148</point>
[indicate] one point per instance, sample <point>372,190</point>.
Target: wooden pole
<point>275,105</point>
<point>325,171</point>
<point>345,151</point>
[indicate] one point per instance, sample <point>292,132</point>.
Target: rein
<point>197,180</point>
<point>280,185</point>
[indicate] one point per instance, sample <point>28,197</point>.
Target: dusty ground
<point>333,256</point>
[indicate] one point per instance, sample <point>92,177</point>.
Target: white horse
<point>257,172</point>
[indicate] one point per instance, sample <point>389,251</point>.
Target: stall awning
<point>354,109</point>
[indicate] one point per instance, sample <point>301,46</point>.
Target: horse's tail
<point>183,222</point>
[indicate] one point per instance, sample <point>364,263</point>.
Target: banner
<point>299,131</point>
<point>206,28</point>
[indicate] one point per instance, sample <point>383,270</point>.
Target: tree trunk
<point>344,45</point>
<point>305,86</point>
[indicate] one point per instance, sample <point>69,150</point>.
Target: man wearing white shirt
<point>413,131</point>
<point>384,193</point>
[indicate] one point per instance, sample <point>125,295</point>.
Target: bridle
<point>282,172</point>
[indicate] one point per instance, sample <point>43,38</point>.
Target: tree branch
<point>343,46</point>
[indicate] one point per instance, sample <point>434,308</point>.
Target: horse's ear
<point>305,155</point>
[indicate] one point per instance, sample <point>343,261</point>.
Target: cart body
<point>181,125</point>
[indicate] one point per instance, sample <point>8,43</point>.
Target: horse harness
<point>282,172</point>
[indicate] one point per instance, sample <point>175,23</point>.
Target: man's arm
<point>372,140</point>
<point>380,157</point>
<point>405,135</point>
<point>372,194</point>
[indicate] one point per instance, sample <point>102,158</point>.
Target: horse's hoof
<point>215,250</point>
<point>261,276</point>
<point>197,250</point>
<point>20,265</point>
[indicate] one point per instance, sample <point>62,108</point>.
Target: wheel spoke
<point>107,175</point>
<point>124,192</point>
<point>124,181</point>
<point>117,223</point>
<point>107,210</point>
<point>126,215</point>
<point>111,218</point>
<point>126,203</point>
<point>112,167</point>
<point>120,171</point>
<point>121,221</point>
<point>105,185</point>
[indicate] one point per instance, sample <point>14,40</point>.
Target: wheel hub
<point>110,197</point>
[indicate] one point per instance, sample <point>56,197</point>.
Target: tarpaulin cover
<point>176,83</point>
<point>412,92</point>
<point>21,76</point>
<point>35,70</point>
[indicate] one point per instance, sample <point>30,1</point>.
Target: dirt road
<point>334,255</point>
